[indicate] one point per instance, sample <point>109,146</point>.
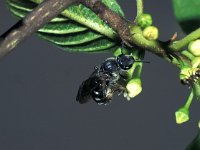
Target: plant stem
<point>189,101</point>
<point>179,45</point>
<point>139,8</point>
<point>140,64</point>
<point>187,54</point>
<point>131,71</point>
<point>139,70</point>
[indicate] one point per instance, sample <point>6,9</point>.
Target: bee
<point>193,78</point>
<point>111,76</point>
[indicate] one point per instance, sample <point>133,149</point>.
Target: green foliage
<point>187,13</point>
<point>114,6</point>
<point>188,16</point>
<point>71,39</point>
<point>79,29</point>
<point>76,29</point>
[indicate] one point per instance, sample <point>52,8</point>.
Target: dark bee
<point>191,79</point>
<point>109,77</point>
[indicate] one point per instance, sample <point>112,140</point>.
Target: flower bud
<point>151,33</point>
<point>134,87</point>
<point>194,47</point>
<point>144,20</point>
<point>182,115</point>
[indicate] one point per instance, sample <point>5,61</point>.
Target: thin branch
<point>179,45</point>
<point>35,20</point>
<point>132,34</point>
<point>189,101</point>
<point>140,8</point>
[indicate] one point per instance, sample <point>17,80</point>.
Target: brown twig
<point>35,20</point>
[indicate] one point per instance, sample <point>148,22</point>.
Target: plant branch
<point>35,20</point>
<point>179,45</point>
<point>129,33</point>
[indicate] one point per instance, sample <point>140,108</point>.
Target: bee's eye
<point>125,61</point>
<point>110,66</point>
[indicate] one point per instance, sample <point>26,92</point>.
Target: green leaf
<point>20,8</point>
<point>71,39</point>
<point>85,16</point>
<point>187,13</point>
<point>59,25</point>
<point>22,5</point>
<point>112,4</point>
<point>62,27</point>
<point>76,29</point>
<point>97,45</point>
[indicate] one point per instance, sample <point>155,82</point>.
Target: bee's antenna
<point>142,61</point>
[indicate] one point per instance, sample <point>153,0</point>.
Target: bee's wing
<point>84,91</point>
<point>84,94</point>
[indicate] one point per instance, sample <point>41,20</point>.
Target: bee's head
<point>125,61</point>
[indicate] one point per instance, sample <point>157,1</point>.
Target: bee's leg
<point>120,91</point>
<point>97,70</point>
<point>115,77</point>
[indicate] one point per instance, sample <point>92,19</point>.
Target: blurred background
<point>39,83</point>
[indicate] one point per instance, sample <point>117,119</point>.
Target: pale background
<point>39,83</point>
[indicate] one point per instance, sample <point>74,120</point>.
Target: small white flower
<point>134,87</point>
<point>182,115</point>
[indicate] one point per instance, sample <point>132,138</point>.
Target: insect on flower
<point>192,78</point>
<point>111,76</point>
